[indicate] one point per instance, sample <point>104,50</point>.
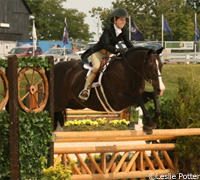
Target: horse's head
<point>152,70</point>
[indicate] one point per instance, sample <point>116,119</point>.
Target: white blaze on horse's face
<point>161,84</point>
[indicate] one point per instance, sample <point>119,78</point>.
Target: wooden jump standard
<point>140,164</point>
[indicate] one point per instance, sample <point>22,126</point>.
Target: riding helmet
<point>119,12</point>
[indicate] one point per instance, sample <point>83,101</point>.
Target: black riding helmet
<point>118,12</point>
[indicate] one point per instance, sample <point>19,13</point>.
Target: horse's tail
<point>64,112</point>
<point>60,117</point>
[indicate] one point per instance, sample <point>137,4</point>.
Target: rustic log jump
<point>139,166</point>
<point>101,136</point>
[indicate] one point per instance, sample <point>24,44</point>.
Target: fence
<point>181,57</point>
<point>92,114</point>
<point>139,165</point>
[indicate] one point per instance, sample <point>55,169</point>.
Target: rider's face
<point>120,22</point>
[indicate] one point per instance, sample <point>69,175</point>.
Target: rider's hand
<point>120,52</point>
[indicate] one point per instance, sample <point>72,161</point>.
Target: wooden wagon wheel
<point>3,90</point>
<point>33,89</point>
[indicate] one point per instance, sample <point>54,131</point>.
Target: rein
<point>141,75</point>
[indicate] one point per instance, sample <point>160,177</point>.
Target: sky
<point>85,6</point>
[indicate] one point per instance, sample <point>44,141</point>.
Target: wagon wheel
<point>3,90</point>
<point>33,89</point>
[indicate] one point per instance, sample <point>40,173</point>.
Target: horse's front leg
<point>148,96</point>
<point>147,127</point>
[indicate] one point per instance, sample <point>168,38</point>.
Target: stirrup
<point>84,94</point>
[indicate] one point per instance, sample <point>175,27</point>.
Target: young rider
<point>112,34</point>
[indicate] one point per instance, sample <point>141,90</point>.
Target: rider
<point>112,34</point>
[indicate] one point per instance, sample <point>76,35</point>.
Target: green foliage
<point>58,173</point>
<point>33,61</point>
<point>4,145</point>
<point>35,135</point>
<point>99,124</point>
<point>179,15</point>
<point>49,20</point>
<point>183,111</point>
<point>3,63</point>
<point>195,4</point>
<point>188,151</point>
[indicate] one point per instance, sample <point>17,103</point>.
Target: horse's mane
<point>134,49</point>
<point>131,50</point>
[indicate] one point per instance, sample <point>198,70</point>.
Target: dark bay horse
<point>123,83</point>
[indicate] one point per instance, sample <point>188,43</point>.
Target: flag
<point>196,31</point>
<point>65,34</point>
<point>135,32</point>
<point>167,28</point>
<point>34,38</point>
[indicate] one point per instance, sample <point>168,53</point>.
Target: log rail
<point>140,164</point>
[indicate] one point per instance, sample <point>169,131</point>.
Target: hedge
<point>35,131</point>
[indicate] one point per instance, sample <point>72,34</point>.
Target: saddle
<point>104,65</point>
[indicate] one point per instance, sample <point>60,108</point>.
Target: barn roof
<point>26,5</point>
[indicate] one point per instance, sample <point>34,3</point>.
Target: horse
<point>123,83</point>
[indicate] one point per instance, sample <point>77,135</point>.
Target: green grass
<point>172,72</point>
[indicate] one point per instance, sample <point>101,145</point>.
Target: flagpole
<point>162,32</point>
<point>34,38</point>
<point>195,45</point>
<point>129,27</point>
<point>64,44</point>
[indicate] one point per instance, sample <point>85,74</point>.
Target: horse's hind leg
<point>148,96</point>
<point>147,125</point>
<point>58,121</point>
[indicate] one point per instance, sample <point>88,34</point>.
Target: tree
<point>147,16</point>
<point>49,20</point>
<point>195,4</point>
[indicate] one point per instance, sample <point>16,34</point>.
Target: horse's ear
<point>159,50</point>
<point>150,60</point>
<point>150,51</point>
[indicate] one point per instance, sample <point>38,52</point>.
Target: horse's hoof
<point>147,130</point>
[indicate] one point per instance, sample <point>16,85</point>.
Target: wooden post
<point>13,118</point>
<point>50,104</point>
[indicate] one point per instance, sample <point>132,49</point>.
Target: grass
<point>172,72</point>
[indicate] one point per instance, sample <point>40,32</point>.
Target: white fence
<point>181,57</point>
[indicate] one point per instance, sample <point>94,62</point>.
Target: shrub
<point>57,173</point>
<point>35,135</point>
<point>183,111</point>
<point>4,145</point>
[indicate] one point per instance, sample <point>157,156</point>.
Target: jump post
<point>139,166</point>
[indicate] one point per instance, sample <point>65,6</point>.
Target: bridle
<point>149,80</point>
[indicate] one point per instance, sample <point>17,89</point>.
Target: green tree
<point>147,15</point>
<point>195,4</point>
<point>49,20</point>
